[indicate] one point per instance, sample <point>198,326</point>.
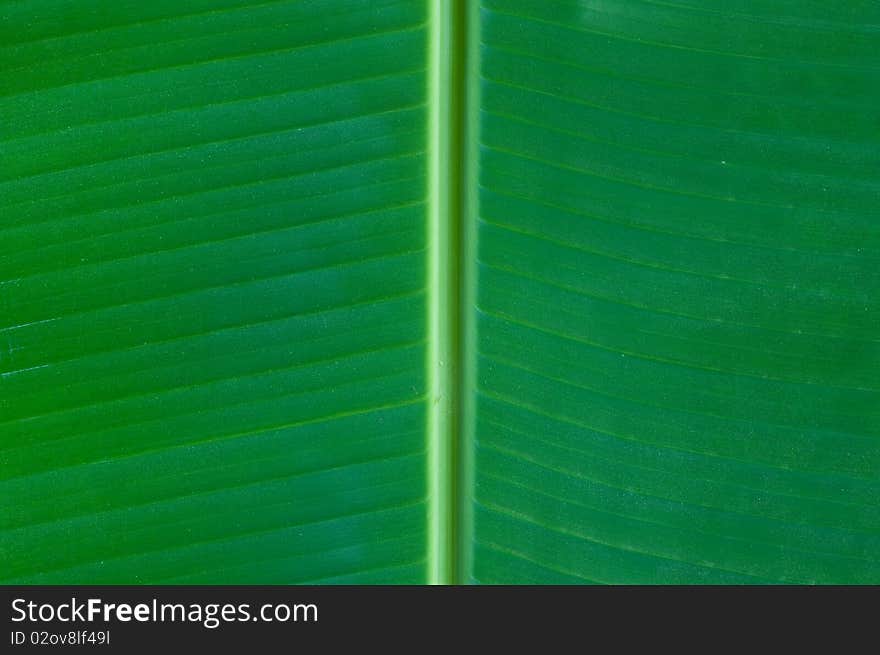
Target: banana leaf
<point>448,291</point>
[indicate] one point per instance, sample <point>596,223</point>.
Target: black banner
<point>284,618</point>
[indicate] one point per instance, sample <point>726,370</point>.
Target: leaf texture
<point>677,319</point>
<point>225,259</point>
<point>213,291</point>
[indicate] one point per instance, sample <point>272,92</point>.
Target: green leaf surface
<point>214,292</point>
<point>677,327</point>
<point>405,291</point>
